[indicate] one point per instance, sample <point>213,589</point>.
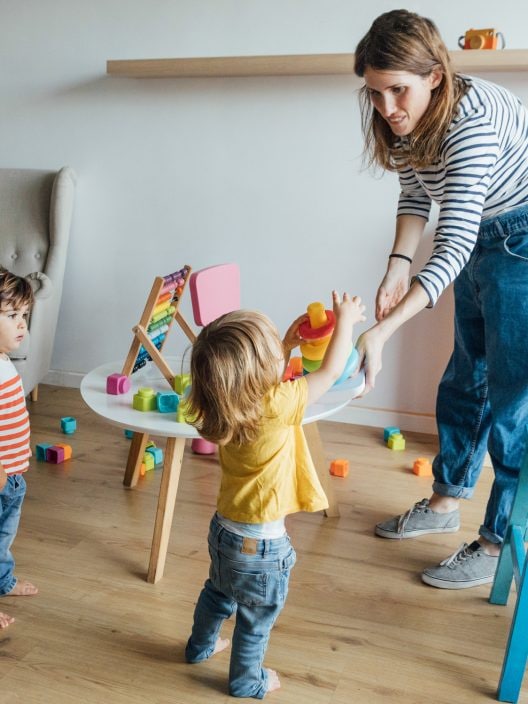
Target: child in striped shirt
<point>16,298</point>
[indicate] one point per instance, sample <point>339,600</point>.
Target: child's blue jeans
<point>483,396</point>
<point>11,499</point>
<point>249,577</point>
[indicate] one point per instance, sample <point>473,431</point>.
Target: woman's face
<point>401,98</point>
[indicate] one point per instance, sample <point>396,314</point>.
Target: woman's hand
<point>370,348</point>
<point>393,288</point>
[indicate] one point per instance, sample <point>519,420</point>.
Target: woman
<point>462,142</point>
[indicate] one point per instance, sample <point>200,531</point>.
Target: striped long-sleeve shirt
<point>483,171</point>
<point>14,421</point>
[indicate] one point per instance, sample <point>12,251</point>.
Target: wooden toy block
<point>387,432</point>
<point>40,450</point>
<point>167,402</point>
<point>68,425</point>
<point>144,399</point>
<point>117,384</point>
<point>148,461</point>
<point>181,382</point>
<point>55,454</point>
<point>339,468</point>
<point>396,442</point>
<point>157,454</point>
<point>422,467</point>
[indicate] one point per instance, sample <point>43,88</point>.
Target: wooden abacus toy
<point>150,334</point>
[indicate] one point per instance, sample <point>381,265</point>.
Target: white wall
<point>262,171</point>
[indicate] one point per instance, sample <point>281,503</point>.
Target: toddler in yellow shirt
<point>237,400</point>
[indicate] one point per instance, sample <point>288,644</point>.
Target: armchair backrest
<point>35,216</point>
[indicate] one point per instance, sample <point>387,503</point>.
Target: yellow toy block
<point>422,467</point>
<point>181,382</point>
<point>339,468</point>
<point>396,442</point>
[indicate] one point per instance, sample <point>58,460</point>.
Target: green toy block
<point>144,400</point>
<point>148,461</point>
<point>396,441</point>
<point>181,382</point>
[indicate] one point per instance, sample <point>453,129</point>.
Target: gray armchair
<point>35,217</point>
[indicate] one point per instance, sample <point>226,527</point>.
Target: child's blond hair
<point>235,362</point>
<point>15,290</point>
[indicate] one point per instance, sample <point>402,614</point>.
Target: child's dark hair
<point>235,362</point>
<point>15,290</point>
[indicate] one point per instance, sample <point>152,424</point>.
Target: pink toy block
<point>203,447</point>
<point>339,468</point>
<point>214,291</point>
<point>55,454</point>
<point>117,384</point>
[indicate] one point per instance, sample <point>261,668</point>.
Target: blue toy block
<point>167,402</point>
<point>40,450</point>
<point>387,432</point>
<point>128,433</point>
<point>157,453</point>
<point>68,425</point>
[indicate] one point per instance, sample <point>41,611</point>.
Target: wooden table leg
<point>315,444</point>
<point>165,511</point>
<point>135,457</point>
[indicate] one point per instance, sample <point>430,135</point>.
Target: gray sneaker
<point>419,520</point>
<point>469,566</point>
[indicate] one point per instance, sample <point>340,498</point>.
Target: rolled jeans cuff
<point>488,535</point>
<point>457,492</point>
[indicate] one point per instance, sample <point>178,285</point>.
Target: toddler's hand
<point>349,307</point>
<point>292,339</point>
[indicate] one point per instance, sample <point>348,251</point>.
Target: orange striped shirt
<point>14,421</point>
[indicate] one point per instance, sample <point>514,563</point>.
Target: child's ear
<point>435,78</point>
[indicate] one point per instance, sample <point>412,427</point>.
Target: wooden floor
<point>358,626</point>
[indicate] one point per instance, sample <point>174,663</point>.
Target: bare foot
<point>273,680</point>
<point>23,588</point>
<point>221,644</point>
<point>5,620</point>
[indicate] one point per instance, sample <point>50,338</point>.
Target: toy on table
<point>150,334</point>
<point>316,333</point>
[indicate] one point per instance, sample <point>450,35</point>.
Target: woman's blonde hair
<point>403,41</point>
<point>235,362</point>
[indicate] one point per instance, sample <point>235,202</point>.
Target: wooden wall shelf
<point>296,65</point>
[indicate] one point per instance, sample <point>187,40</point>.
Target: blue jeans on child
<point>11,498</point>
<point>250,577</point>
<point>483,396</point>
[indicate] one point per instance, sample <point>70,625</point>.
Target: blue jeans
<point>483,396</point>
<point>11,498</point>
<point>249,577</point>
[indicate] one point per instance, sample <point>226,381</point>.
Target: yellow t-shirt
<point>275,475</point>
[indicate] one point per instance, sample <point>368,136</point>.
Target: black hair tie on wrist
<point>401,256</point>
